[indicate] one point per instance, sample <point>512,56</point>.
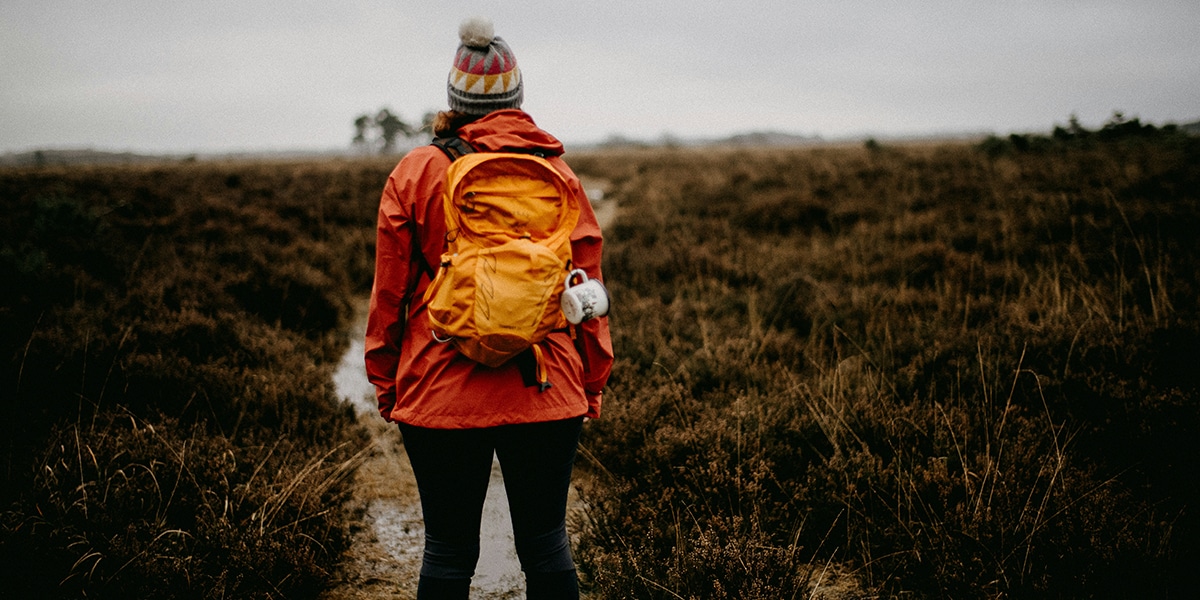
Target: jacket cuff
<point>594,401</point>
<point>386,403</point>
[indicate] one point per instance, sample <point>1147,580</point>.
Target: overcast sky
<point>230,75</point>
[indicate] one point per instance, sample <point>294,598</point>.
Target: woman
<point>453,412</point>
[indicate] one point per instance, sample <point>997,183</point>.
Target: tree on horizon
<point>380,133</point>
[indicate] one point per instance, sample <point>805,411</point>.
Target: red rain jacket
<point>428,384</point>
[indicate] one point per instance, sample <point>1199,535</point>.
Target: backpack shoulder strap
<point>454,147</point>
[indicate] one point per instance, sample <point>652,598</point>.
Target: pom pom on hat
<point>485,76</point>
<point>476,32</point>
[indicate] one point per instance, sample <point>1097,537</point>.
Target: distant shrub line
<point>1117,130</point>
<point>168,420</point>
<point>941,372</point>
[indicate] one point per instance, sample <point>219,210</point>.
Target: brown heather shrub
<point>942,371</point>
<point>169,427</point>
<point>938,371</point>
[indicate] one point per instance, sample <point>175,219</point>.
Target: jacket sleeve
<point>398,267</point>
<point>593,340</point>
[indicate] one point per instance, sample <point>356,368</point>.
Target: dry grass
<point>947,371</point>
<point>169,421</point>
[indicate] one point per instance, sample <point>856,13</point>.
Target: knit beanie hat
<point>485,76</point>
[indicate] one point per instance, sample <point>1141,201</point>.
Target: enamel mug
<point>583,298</point>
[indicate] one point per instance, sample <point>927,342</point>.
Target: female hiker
<point>455,412</point>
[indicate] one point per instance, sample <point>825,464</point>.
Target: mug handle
<point>571,276</point>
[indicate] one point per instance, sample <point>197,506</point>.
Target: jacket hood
<point>509,129</point>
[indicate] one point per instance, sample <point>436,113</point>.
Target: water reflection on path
<point>396,523</point>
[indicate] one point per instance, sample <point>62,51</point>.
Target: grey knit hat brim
<point>481,104</point>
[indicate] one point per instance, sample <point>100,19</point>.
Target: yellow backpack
<point>509,218</point>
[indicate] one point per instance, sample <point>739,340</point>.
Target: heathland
<point>938,370</point>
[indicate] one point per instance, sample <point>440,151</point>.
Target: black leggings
<point>453,466</point>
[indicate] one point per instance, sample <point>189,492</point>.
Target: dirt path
<point>384,559</point>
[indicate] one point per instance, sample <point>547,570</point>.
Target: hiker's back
<point>430,384</point>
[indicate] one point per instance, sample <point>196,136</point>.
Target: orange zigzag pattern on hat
<point>485,84</point>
